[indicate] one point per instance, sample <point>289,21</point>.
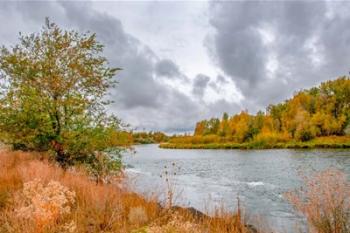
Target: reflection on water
<point>258,177</point>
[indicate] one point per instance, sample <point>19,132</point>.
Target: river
<point>208,178</point>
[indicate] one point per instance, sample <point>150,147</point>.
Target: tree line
<point>319,111</point>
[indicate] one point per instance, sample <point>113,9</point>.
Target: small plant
<point>4,196</point>
<point>325,201</point>
<point>138,215</point>
<point>44,204</point>
<point>70,227</point>
<point>103,167</point>
<point>168,175</point>
<point>177,224</point>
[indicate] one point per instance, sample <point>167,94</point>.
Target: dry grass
<point>38,196</point>
<point>325,201</point>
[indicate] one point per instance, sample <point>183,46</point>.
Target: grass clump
<point>325,201</point>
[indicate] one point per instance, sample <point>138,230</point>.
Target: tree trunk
<point>61,157</point>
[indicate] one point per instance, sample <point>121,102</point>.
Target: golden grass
<point>69,201</point>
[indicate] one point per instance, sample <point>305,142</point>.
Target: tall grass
<point>38,196</point>
<point>325,201</point>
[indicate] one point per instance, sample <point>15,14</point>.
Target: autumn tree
<point>212,126</point>
<point>319,111</point>
<point>224,129</point>
<point>255,124</point>
<point>200,128</point>
<point>54,85</point>
<point>275,111</point>
<point>240,126</point>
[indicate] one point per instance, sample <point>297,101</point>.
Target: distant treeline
<point>149,137</point>
<point>321,111</point>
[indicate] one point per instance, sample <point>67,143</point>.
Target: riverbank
<point>36,195</point>
<point>321,142</point>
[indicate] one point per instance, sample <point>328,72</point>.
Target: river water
<point>206,179</point>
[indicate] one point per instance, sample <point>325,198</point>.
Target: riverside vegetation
<point>60,167</point>
<point>37,195</point>
<point>149,137</point>
<point>318,117</point>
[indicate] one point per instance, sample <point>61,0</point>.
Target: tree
<point>200,128</point>
<point>240,126</point>
<point>276,112</point>
<point>53,92</point>
<point>256,123</point>
<point>224,126</point>
<point>212,126</point>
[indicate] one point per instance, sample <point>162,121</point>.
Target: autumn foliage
<point>322,111</point>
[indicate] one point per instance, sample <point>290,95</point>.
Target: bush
<point>103,166</point>
<point>305,133</point>
<point>325,201</point>
<point>347,129</point>
<point>271,138</point>
<point>44,204</point>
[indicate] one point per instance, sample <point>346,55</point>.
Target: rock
<point>194,212</point>
<point>251,228</point>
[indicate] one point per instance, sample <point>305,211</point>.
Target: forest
<point>316,117</point>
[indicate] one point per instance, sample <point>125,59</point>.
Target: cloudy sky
<point>186,61</point>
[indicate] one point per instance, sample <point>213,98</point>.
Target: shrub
<point>347,129</point>
<point>325,202</point>
<point>4,196</point>
<point>103,166</point>
<point>44,204</point>
<point>177,224</point>
<point>271,138</point>
<point>137,215</point>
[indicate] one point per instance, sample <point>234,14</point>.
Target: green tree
<point>224,126</point>
<point>53,92</point>
<point>255,124</point>
<point>276,112</point>
<point>212,126</point>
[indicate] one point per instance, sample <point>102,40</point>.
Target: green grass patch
<point>330,142</point>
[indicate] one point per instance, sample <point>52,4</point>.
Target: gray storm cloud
<point>271,49</point>
<point>167,68</point>
<point>200,84</point>
<point>141,98</point>
<point>268,49</point>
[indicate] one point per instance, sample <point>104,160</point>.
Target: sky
<point>187,61</point>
